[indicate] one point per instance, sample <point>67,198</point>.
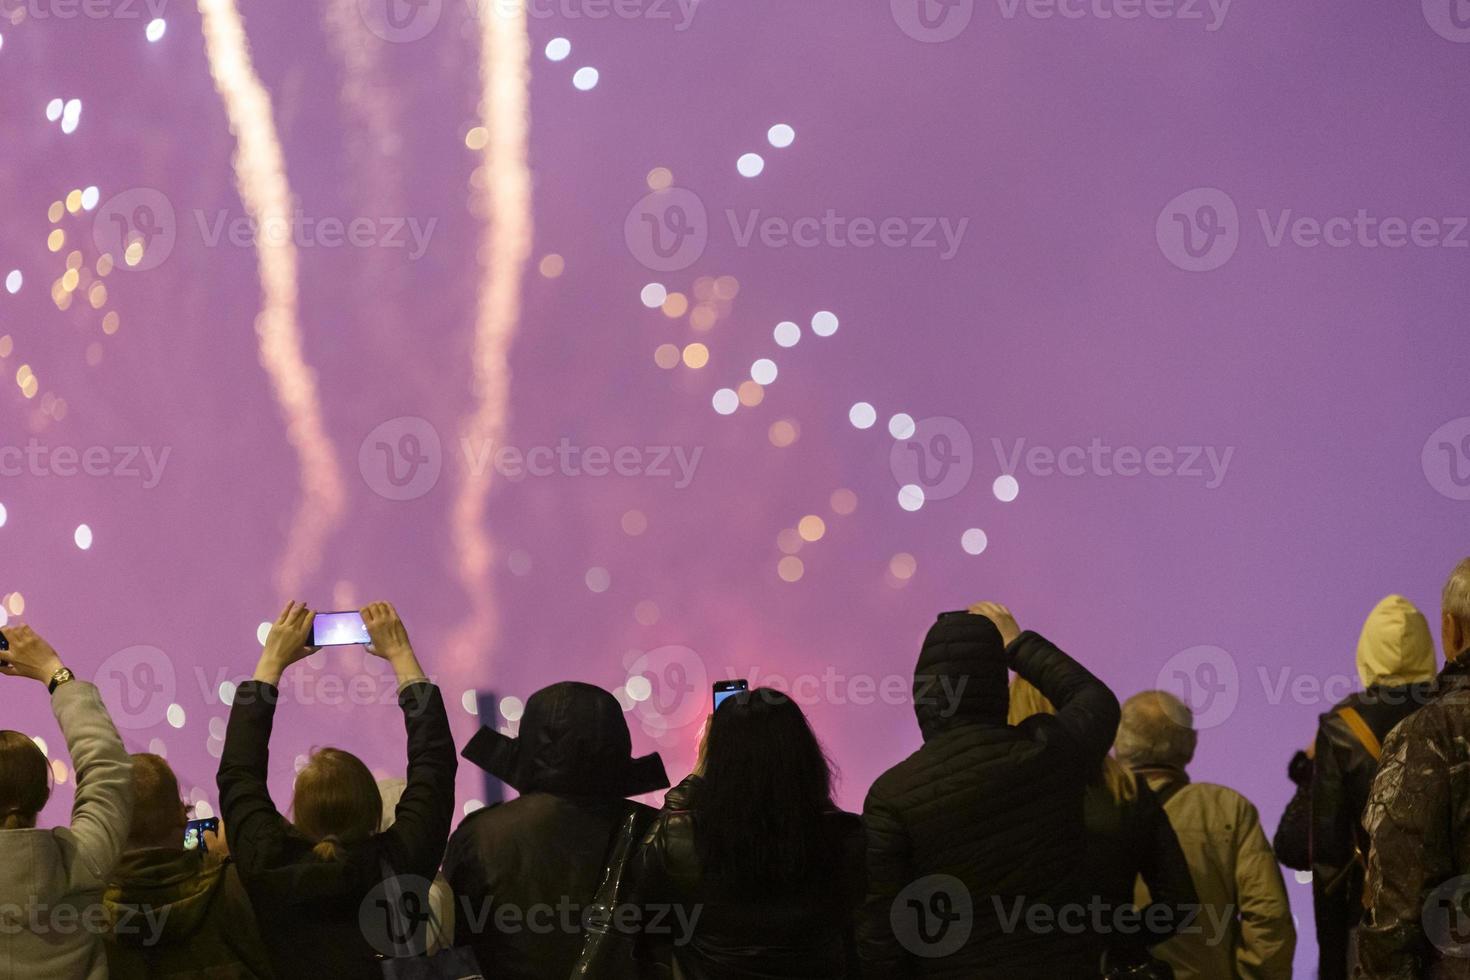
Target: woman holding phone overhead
<point>310,879</point>
<point>753,844</point>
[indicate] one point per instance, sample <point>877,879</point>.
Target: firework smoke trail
<point>505,200</point>
<point>260,173</point>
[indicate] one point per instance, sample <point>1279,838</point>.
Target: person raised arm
<point>1086,709</point>
<point>425,812</point>
<point>102,809</point>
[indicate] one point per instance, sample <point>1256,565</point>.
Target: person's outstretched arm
<point>1086,709</point>
<point>1267,933</point>
<point>102,810</point>
<point>421,823</point>
<point>1411,821</point>
<point>255,830</point>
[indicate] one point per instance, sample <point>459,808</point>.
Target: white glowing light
<point>2,41</point>
<point>90,197</point>
<point>53,110</point>
<point>558,48</point>
<point>3,515</point>
<point>781,136</point>
<point>653,295</point>
<point>262,631</point>
<point>470,702</point>
<point>751,165</point>
<point>1006,488</point>
<point>473,806</point>
<point>83,537</point>
<point>639,688</point>
<point>176,716</point>
<point>787,333</point>
<point>512,708</point>
<point>227,692</point>
<point>14,281</point>
<point>824,324</point>
<point>41,744</point>
<point>599,579</point>
<point>585,80</point>
<point>862,415</point>
<point>901,426</point>
<point>763,371</point>
<point>203,811</point>
<point>158,747</point>
<point>726,401</point>
<point>71,116</point>
<point>911,497</point>
<point>155,29</point>
<point>974,541</point>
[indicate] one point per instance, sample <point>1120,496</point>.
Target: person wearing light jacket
<point>52,920</point>
<point>1396,663</point>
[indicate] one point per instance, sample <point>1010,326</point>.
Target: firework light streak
<point>505,200</point>
<point>260,173</point>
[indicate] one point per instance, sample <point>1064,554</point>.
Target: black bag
<point>609,953</point>
<point>1293,840</point>
<point>407,919</point>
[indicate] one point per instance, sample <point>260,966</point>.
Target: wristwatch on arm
<point>62,676</point>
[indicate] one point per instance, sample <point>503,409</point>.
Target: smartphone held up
<point>339,629</point>
<point>726,689</point>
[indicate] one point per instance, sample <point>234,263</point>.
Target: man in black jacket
<point>524,872</point>
<point>1417,924</point>
<point>976,840</point>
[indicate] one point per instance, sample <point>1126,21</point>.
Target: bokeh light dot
<point>53,109</point>
<point>558,49</point>
<point>903,565</point>
<point>824,324</point>
<point>787,334</point>
<point>862,415</point>
<point>751,165</point>
<point>781,136</point>
<point>653,295</point>
<point>155,30</point>
<point>788,541</point>
<point>666,356</point>
<point>844,502</point>
<point>763,371</point>
<point>261,632</point>
<point>90,196</point>
<point>470,702</point>
<point>751,393</point>
<point>726,401</point>
<point>696,356</point>
<point>511,708</point>
<point>1006,488</point>
<point>790,569</point>
<point>639,688</point>
<point>176,716</point>
<point>13,281</point>
<point>598,579</point>
<point>901,426</point>
<point>784,433</point>
<point>635,522</point>
<point>974,541</point>
<point>811,528</point>
<point>585,80</point>
<point>911,497</point>
<point>83,537</point>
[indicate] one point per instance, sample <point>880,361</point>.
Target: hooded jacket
<point>315,914</point>
<point>178,913</point>
<point>1418,814</point>
<point>52,921</point>
<point>1396,663</point>
<point>975,842</point>
<point>524,872</point>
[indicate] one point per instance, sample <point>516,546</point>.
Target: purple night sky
<point>1140,254</point>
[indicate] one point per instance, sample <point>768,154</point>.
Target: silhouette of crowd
<point>1040,830</point>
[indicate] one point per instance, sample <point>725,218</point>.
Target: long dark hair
<point>758,812</point>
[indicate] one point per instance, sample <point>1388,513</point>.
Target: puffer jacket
<point>314,913</point>
<point>1396,661</point>
<point>1242,929</point>
<point>713,933</point>
<point>178,913</point>
<point>1418,816</point>
<point>52,921</point>
<point>976,841</point>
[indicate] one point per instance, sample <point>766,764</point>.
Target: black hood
<point>573,741</point>
<point>962,674</point>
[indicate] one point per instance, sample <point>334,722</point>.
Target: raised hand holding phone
<point>287,643</point>
<point>390,641</point>
<point>28,655</point>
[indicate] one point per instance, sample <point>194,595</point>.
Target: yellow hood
<point>1395,647</point>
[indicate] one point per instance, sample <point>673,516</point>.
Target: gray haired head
<point>1157,729</point>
